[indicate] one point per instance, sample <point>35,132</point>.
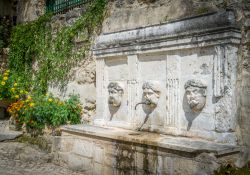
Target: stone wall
<point>128,14</point>
<point>243,84</point>
<point>3,58</point>
<point>29,10</point>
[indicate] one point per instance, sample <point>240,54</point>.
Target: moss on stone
<point>230,170</point>
<point>202,10</point>
<point>40,141</point>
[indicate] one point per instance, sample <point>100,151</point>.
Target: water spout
<point>144,102</point>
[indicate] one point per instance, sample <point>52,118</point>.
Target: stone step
<point>9,135</point>
<point>5,131</point>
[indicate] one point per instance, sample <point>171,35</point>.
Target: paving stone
<point>11,163</point>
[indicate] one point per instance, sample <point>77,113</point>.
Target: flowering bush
<point>10,89</point>
<point>44,110</point>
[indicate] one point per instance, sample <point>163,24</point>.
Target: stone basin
<point>183,144</point>
<point>89,128</point>
<point>114,150</point>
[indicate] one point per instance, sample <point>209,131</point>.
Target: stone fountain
<point>166,101</point>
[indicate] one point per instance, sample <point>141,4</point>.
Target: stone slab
<point>9,135</point>
<point>182,144</point>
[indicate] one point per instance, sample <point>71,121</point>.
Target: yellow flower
<point>8,71</point>
<point>12,89</point>
<point>16,96</point>
<point>15,84</point>
<point>50,100</point>
<point>5,74</point>
<point>32,104</point>
<point>46,94</point>
<point>5,78</point>
<point>60,103</point>
<point>3,83</point>
<point>29,97</point>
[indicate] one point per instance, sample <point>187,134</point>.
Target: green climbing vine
<point>40,58</point>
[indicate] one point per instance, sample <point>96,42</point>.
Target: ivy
<point>41,59</point>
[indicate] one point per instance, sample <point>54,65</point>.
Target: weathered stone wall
<point>29,10</point>
<point>3,58</point>
<point>128,14</point>
<point>243,85</point>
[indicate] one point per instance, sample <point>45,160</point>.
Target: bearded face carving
<point>151,94</point>
<point>196,94</point>
<point>115,94</point>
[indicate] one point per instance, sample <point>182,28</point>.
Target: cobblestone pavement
<point>23,159</point>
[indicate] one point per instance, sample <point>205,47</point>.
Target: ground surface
<point>24,159</point>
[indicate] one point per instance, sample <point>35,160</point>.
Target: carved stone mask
<point>151,94</point>
<point>115,94</point>
<point>196,94</point>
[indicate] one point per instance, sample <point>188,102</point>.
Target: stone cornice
<point>200,31</point>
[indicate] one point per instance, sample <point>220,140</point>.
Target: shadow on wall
<point>112,111</point>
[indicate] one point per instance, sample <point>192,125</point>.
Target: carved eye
<point>195,90</point>
<point>111,92</point>
<point>150,93</point>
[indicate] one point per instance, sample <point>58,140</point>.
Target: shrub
<point>39,111</point>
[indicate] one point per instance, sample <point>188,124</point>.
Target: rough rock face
<point>3,59</point>
<point>243,12</point>
<point>85,72</point>
<point>88,110</point>
<point>29,10</point>
<point>128,14</point>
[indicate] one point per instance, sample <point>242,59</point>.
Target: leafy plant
<point>74,108</point>
<point>10,87</point>
<point>39,111</point>
<point>55,55</point>
<point>38,58</point>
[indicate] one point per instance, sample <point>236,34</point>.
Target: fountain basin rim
<point>182,144</point>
